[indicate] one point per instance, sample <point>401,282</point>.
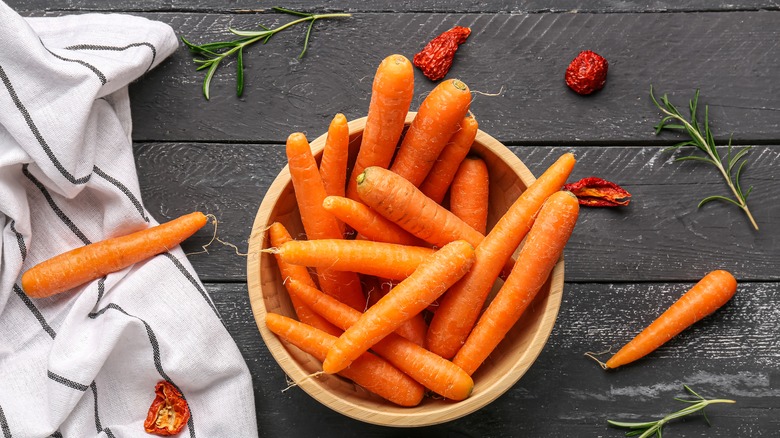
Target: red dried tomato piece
<point>169,412</point>
<point>436,58</point>
<point>597,192</point>
<point>587,72</point>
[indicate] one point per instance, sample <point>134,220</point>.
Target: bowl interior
<point>508,178</point>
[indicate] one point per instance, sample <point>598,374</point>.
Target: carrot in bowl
<point>366,222</point>
<point>469,193</point>
<point>333,166</point>
<point>443,171</point>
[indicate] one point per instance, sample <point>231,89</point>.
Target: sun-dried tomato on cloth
<point>587,72</point>
<point>597,192</point>
<point>435,59</point>
<point>169,411</point>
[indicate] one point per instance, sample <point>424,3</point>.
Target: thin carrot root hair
<point>482,93</point>
<point>292,384</point>
<point>214,238</point>
<point>594,356</point>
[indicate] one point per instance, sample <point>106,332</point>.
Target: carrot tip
<point>592,355</point>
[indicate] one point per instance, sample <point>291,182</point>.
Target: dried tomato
<point>587,72</point>
<point>436,58</point>
<point>169,412</point>
<point>597,192</point>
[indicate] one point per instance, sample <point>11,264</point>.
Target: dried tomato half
<point>436,58</point>
<point>169,412</point>
<point>597,192</point>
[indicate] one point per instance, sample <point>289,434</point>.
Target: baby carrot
<point>279,236</point>
<point>391,96</point>
<point>369,371</point>
<point>413,329</point>
<point>409,298</point>
<point>382,259</point>
<point>333,166</point>
<point>90,262</point>
<point>436,121</point>
<point>459,308</point>
<point>435,373</point>
<point>469,193</point>
<point>401,202</point>
<point>705,297</point>
<point>367,222</point>
<point>541,251</point>
<point>318,223</point>
<point>443,171</point>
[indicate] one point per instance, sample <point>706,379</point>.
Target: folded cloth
<point>86,362</point>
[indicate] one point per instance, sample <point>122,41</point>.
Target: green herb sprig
<point>703,140</point>
<point>650,428</point>
<point>209,55</point>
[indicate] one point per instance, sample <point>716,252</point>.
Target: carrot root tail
<point>594,356</point>
<point>214,237</point>
<point>292,384</point>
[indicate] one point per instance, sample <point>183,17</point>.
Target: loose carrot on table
<point>469,193</point>
<point>541,251</point>
<point>333,165</point>
<point>459,308</point>
<point>90,262</point>
<point>407,299</point>
<point>413,329</point>
<point>443,171</point>
<point>401,202</point>
<point>278,236</point>
<point>438,118</point>
<point>391,95</point>
<point>318,223</point>
<point>434,372</point>
<point>367,222</point>
<point>369,371</point>
<point>705,297</point>
<point>382,259</point>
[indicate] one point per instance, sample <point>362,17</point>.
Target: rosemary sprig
<point>650,428</point>
<point>209,55</point>
<point>703,140</point>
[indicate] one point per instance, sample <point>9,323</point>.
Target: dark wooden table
<point>623,266</point>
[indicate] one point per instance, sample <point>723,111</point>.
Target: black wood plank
<point>731,354</point>
<point>661,236</point>
<point>732,57</point>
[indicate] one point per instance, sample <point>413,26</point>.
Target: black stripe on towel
<point>19,240</point>
<point>118,184</point>
<point>67,382</point>
<point>31,124</point>
<point>56,434</point>
<point>116,49</point>
<point>94,69</point>
<point>34,310</point>
<point>55,207</point>
<point>194,282</point>
<point>4,424</point>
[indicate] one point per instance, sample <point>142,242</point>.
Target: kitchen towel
<point>85,363</point>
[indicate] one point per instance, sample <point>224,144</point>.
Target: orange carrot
<point>459,308</point>
<point>541,251</point>
<point>705,297</point>
<point>443,171</point>
<point>368,223</point>
<point>318,223</point>
<point>438,118</point>
<point>434,372</point>
<point>279,236</point>
<point>409,298</point>
<point>369,371</point>
<point>469,193</point>
<point>382,259</point>
<point>87,263</point>
<point>413,329</point>
<point>333,166</point>
<point>401,202</point>
<point>391,96</point>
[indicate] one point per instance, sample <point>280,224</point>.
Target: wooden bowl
<point>508,178</point>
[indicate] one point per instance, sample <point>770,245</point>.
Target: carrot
<point>318,223</point>
<point>409,298</point>
<point>369,371</point>
<point>469,193</point>
<point>401,202</point>
<point>333,166</point>
<point>459,308</point>
<point>391,96</point>
<point>364,256</point>
<point>541,251</point>
<point>279,236</point>
<point>87,263</point>
<point>368,223</point>
<point>415,328</point>
<point>705,297</point>
<point>436,121</point>
<point>434,372</point>
<point>443,171</point>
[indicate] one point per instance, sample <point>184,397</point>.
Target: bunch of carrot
<point>387,243</point>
